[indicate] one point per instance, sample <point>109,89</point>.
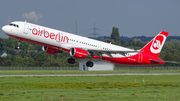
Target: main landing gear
<point>19,43</point>
<point>71,61</point>
<point>88,63</point>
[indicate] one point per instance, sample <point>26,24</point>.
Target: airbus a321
<point>56,41</point>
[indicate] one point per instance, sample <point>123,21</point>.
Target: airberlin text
<point>51,35</point>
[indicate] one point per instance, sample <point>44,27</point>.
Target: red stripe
<point>40,43</point>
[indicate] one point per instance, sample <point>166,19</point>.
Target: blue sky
<point>132,17</point>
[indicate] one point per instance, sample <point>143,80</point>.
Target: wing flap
<point>110,52</point>
<point>99,52</point>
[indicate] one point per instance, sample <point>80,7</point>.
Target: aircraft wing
<point>99,52</point>
<point>109,52</point>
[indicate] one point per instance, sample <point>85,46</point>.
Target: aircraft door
<point>26,28</point>
<point>140,57</point>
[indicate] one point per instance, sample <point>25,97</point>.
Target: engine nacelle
<point>78,53</point>
<point>50,50</point>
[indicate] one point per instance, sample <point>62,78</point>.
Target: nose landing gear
<point>19,43</point>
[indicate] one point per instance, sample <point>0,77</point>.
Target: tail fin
<point>154,47</point>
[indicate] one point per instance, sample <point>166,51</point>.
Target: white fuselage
<point>59,38</point>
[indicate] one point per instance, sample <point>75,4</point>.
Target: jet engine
<point>78,53</point>
<point>50,50</point>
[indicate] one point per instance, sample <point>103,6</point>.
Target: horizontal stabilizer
<point>162,61</point>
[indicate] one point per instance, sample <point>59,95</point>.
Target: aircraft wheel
<point>89,64</point>
<point>19,43</point>
<point>17,47</point>
<point>71,61</point>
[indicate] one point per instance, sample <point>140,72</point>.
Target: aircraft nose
<point>4,29</point>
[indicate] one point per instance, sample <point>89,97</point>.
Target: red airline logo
<point>157,43</point>
<point>50,35</point>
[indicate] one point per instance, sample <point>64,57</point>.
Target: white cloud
<point>32,16</point>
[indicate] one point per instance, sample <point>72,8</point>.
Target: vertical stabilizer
<point>154,47</point>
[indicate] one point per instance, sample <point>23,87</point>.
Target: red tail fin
<point>154,47</point>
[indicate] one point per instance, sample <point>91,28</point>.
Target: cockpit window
<point>11,24</point>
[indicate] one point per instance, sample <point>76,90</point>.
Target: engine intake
<point>78,53</point>
<point>50,50</point>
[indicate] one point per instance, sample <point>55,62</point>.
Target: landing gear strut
<point>71,61</point>
<point>19,43</point>
<point>89,64</point>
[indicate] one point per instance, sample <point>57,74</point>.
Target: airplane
<point>55,41</point>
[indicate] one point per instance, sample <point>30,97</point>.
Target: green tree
<point>12,52</point>
<point>40,59</point>
<point>17,61</point>
<point>8,43</point>
<point>115,37</point>
<point>31,61</point>
<point>107,40</point>
<point>31,54</point>
<point>31,47</point>
<point>24,45</point>
<point>22,53</point>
